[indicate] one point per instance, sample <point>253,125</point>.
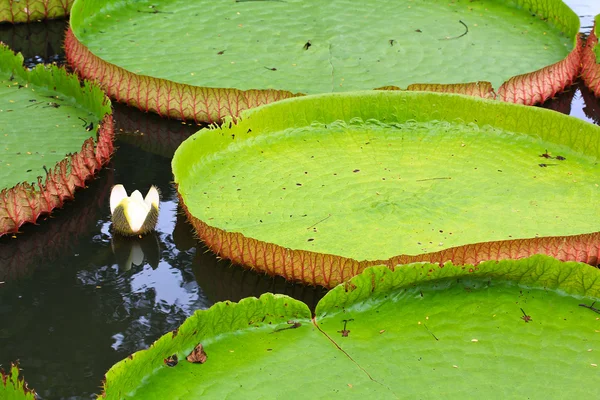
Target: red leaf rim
<point>590,70</point>
<point>329,270</point>
<point>200,104</point>
<point>161,96</point>
<point>33,10</point>
<point>528,89</point>
<point>25,202</point>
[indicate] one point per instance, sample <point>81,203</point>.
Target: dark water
<point>71,305</point>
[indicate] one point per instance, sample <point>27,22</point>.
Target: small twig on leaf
<point>459,36</point>
<point>591,307</point>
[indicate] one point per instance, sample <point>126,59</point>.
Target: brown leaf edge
<point>590,70</point>
<point>18,384</point>
<point>161,96</point>
<point>328,270</point>
<point>201,104</point>
<point>528,89</point>
<point>25,202</point>
<point>16,11</point>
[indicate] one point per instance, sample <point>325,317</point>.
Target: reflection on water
<point>586,10</point>
<point>39,42</point>
<point>74,300</point>
<point>73,308</point>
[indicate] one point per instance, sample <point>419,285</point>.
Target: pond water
<point>71,301</point>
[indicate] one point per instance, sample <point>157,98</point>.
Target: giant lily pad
<point>420,331</point>
<point>55,133</point>
<point>33,10</point>
<point>218,58</point>
<point>590,60</point>
<point>318,188</point>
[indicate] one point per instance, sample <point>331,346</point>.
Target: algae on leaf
<point>317,188</point>
<point>56,134</point>
<point>243,54</point>
<point>388,334</point>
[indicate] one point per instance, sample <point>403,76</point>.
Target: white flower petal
<point>152,197</point>
<point>117,194</point>
<point>135,211</point>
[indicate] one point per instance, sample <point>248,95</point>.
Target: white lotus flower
<point>134,215</point>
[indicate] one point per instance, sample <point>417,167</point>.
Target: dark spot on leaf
<point>310,240</point>
<point>418,30</point>
<point>307,45</point>
<point>546,155</point>
<point>560,158</point>
<point>525,317</point>
<point>356,170</point>
<point>171,361</point>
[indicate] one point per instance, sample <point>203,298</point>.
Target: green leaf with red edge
<point>318,188</point>
<point>56,133</point>
<point>33,10</point>
<point>590,60</point>
<point>220,58</point>
<point>420,330</point>
<point>13,387</point>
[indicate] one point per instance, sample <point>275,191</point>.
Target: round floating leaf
<point>220,57</point>
<point>416,331</point>
<point>590,60</point>
<point>33,10</point>
<point>46,116</point>
<point>309,188</point>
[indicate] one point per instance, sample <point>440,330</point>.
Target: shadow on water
<point>39,42</point>
<point>74,300</point>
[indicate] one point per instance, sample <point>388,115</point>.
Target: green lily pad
<point>33,10</point>
<point>220,57</point>
<point>12,387</point>
<point>310,188</point>
<point>51,127</point>
<point>590,60</point>
<point>419,331</point>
